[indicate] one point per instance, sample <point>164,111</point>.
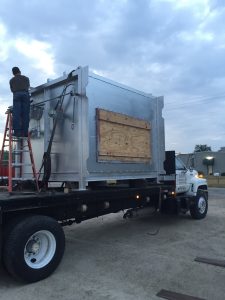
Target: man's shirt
<point>19,83</point>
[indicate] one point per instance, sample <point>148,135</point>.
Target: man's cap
<point>15,70</point>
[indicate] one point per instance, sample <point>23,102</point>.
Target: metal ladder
<point>17,146</point>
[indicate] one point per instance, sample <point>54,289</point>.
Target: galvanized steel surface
<point>74,150</point>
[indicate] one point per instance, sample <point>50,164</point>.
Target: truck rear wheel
<point>199,208</point>
<point>33,248</point>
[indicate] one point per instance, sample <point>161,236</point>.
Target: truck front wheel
<point>199,208</point>
<point>33,248</point>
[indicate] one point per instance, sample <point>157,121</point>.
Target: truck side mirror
<point>169,163</point>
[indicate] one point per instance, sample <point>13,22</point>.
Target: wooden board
<point>170,295</point>
<point>118,118</point>
<point>211,261</point>
<point>122,138</point>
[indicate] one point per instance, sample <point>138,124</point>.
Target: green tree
<point>202,148</point>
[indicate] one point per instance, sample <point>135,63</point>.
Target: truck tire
<point>33,248</point>
<point>199,208</point>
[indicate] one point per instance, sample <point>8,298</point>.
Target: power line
<point>197,101</point>
<point>200,98</point>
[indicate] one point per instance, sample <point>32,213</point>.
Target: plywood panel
<point>122,119</point>
<point>122,138</point>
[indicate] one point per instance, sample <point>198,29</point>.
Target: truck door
<point>181,178</point>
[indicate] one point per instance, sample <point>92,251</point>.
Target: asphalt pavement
<point>114,258</point>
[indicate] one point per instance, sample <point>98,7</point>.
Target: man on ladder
<point>16,131</point>
<point>19,86</point>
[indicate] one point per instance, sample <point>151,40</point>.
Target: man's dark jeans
<point>21,111</point>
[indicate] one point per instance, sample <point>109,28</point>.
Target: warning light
<point>137,197</point>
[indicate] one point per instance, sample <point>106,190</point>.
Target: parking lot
<point>115,258</point>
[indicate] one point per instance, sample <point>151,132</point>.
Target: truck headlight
<point>199,175</point>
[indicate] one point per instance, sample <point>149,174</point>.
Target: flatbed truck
<point>116,163</point>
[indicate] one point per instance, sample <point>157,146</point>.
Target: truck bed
<point>78,204</point>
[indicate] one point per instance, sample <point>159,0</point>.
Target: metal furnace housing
<point>105,130</point>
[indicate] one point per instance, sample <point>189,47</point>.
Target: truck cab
<point>191,191</point>
<point>187,180</point>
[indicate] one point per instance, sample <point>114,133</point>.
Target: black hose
<point>46,160</point>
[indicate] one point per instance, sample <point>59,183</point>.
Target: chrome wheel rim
<point>39,249</point>
<point>202,205</point>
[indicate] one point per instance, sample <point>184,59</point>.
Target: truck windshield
<point>179,164</point>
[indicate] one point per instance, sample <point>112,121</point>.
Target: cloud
<point>43,19</point>
<point>3,46</point>
<point>169,47</point>
<point>39,53</point>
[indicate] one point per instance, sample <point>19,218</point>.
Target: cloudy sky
<point>174,48</point>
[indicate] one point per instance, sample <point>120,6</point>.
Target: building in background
<point>206,162</point>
